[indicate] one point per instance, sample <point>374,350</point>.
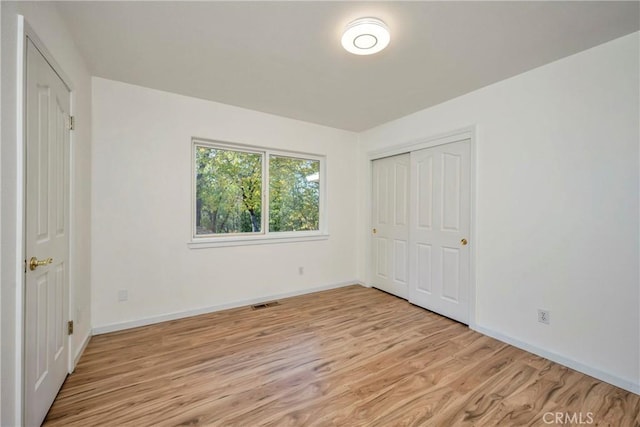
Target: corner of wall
<point>362,213</point>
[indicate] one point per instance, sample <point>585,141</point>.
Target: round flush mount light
<point>365,36</point>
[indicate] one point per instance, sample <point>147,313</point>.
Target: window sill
<point>216,242</point>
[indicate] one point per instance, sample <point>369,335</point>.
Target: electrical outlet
<point>544,316</point>
<point>301,270</point>
<point>123,295</point>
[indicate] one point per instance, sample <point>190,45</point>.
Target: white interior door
<point>440,222</point>
<point>46,239</point>
<point>390,225</point>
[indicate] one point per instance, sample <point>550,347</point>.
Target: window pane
<point>228,191</point>
<point>294,194</point>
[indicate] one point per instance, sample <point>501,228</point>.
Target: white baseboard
<point>570,363</point>
<point>204,310</point>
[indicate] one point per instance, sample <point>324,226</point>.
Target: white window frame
<point>264,236</point>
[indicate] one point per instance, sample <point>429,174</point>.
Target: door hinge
<point>72,122</point>
<point>70,327</point>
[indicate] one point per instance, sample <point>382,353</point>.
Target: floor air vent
<point>265,305</point>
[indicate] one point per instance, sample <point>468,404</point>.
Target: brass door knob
<point>463,242</point>
<point>375,231</point>
<point>35,263</point>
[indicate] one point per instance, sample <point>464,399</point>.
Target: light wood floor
<point>346,357</point>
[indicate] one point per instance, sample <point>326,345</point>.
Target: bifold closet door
<point>439,229</point>
<point>390,225</point>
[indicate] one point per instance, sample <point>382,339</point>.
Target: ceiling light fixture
<point>365,36</point>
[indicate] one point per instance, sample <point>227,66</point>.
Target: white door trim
<point>466,133</point>
<point>24,32</point>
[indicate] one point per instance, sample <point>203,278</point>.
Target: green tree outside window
<point>229,192</point>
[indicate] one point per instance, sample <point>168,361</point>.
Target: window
<point>244,193</point>
<point>294,194</point>
<point>228,191</point>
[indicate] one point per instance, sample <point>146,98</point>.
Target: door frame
<point>462,134</point>
<point>25,31</point>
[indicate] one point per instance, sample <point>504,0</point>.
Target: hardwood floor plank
<point>484,399</point>
<point>346,357</point>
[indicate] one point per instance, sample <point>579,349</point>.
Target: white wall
<point>142,208</point>
<point>557,205</point>
<point>50,28</point>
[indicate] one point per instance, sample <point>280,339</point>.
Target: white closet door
<point>440,222</point>
<point>390,225</point>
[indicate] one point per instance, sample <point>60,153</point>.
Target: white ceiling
<point>285,57</point>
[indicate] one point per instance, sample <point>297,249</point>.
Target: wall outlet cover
<point>544,316</point>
